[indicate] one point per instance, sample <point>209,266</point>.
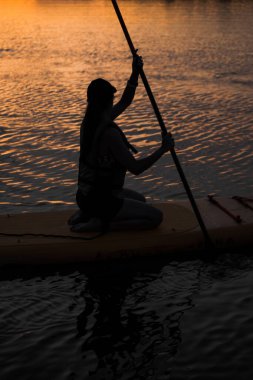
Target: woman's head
<point>100,94</point>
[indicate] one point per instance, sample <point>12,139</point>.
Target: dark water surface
<point>139,320</point>
<point>160,320</point>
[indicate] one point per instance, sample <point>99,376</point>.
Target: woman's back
<point>99,170</point>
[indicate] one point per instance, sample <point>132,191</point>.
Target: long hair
<point>89,127</point>
<point>100,96</point>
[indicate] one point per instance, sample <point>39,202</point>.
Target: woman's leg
<point>131,194</point>
<point>133,215</point>
<point>81,217</point>
<point>136,215</point>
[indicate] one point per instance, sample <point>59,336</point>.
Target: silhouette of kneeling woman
<point>105,157</point>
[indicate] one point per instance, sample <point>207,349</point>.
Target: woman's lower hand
<point>167,143</point>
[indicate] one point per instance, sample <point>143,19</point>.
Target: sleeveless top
<point>101,174</point>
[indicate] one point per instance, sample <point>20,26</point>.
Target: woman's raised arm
<point>130,88</point>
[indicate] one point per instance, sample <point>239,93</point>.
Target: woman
<point>104,159</point>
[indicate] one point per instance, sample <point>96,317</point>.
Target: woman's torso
<point>99,171</point>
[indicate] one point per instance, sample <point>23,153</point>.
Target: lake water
<point>158,320</point>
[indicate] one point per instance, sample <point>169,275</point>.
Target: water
<point>198,58</point>
<point>157,320</point>
<point>188,320</point>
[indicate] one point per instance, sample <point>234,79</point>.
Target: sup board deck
<point>179,232</point>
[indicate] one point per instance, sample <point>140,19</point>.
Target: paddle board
<point>179,232</point>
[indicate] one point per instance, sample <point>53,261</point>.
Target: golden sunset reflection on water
<point>198,58</point>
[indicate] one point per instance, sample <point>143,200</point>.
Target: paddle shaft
<point>163,128</point>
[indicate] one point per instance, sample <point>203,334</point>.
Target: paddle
<point>208,240</point>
